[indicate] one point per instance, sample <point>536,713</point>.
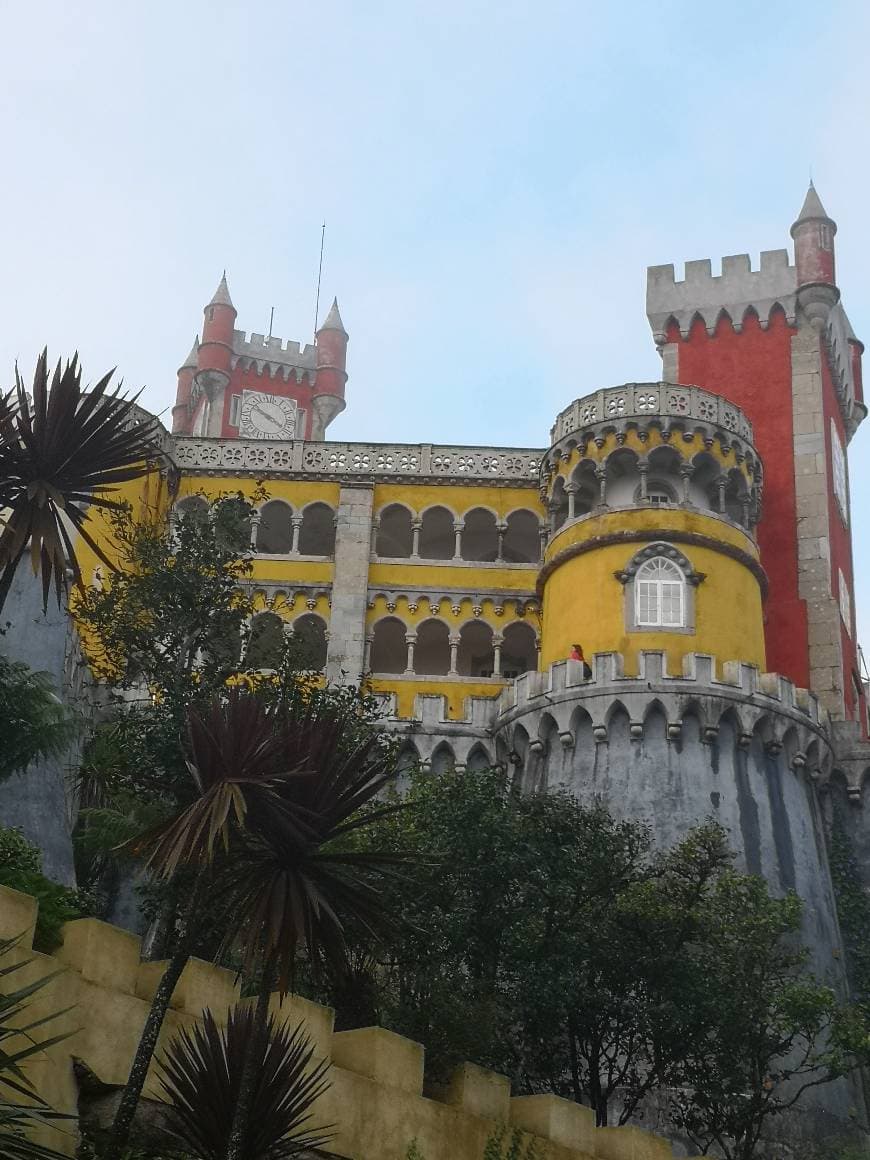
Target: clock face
<point>263,416</point>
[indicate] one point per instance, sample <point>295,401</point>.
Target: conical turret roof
<point>221,296</point>
<point>333,319</point>
<point>192,359</point>
<point>812,209</point>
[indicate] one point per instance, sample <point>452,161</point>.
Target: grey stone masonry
<point>702,293</point>
<point>346,648</point>
<point>813,530</point>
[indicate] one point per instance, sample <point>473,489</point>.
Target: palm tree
<point>59,455</point>
<point>275,783</point>
<point>200,1073</point>
<point>21,1107</point>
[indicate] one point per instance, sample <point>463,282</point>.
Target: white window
<point>235,406</point>
<point>658,498</point>
<point>660,594</point>
<point>845,602</point>
<point>838,470</point>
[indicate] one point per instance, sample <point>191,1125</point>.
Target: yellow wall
<point>375,1100</point>
<point>458,498</point>
<point>585,603</point>
<point>455,689</point>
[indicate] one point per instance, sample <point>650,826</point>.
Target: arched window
<point>317,534</point>
<point>266,643</point>
<point>275,534</point>
<point>389,649</point>
<point>475,654</point>
<point>437,537</point>
<point>432,649</point>
<point>519,650</point>
<point>194,507</point>
<point>480,536</point>
<point>310,633</point>
<point>522,538</point>
<point>394,532</point>
<point>659,592</point>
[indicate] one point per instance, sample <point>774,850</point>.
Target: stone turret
<point>186,372</point>
<point>331,376</point>
<point>815,263</point>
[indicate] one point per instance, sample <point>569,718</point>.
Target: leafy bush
<point>21,869</point>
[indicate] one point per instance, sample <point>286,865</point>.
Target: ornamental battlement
<point>737,289</point>
<point>669,406</point>
<point>274,350</point>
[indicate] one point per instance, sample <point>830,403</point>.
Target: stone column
<point>410,641</point>
<point>255,529</point>
<point>601,476</point>
<point>454,653</point>
<point>367,654</point>
<point>571,490</point>
<point>687,470</point>
<point>544,535</point>
<point>501,528</point>
<point>376,523</point>
<point>643,471</point>
<point>346,649</point>
<point>721,484</point>
<point>296,524</point>
<point>497,642</point>
<point>458,525</point>
<point>416,525</point>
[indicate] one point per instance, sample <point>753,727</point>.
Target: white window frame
<point>660,595</point>
<point>845,601</point>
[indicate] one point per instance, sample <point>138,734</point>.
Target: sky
<point>495,177</point>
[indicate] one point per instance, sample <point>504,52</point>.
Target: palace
<point>692,536</point>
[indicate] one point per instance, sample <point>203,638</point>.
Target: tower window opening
<point>660,594</point>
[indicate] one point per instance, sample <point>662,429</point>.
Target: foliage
<point>547,941</point>
<point>59,456</point>
<point>414,1152</point>
<point>34,723</point>
<point>853,908</point>
<point>504,1145</point>
<point>201,1071</point>
<point>766,1031</point>
<point>21,1107</point>
<point>21,869</point>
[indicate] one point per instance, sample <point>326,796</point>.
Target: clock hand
<point>270,418</point>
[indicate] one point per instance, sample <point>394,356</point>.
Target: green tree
<point>62,453</point>
<point>21,869</point>
<point>765,1030</point>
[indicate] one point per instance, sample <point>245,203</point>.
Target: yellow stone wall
<point>375,1099</point>
<point>584,602</point>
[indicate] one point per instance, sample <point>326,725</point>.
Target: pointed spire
<point>812,209</point>
<point>333,319</point>
<point>221,296</point>
<point>191,360</point>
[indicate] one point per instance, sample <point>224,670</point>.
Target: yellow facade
<point>584,602</point>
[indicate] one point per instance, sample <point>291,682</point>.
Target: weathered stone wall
<point>375,1099</point>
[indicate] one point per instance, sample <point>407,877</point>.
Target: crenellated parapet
<point>737,290</point>
<point>702,688</point>
<point>375,1098</point>
<point>272,356</point>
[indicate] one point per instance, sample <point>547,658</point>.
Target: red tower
<point>235,386</point>
<point>777,342</point>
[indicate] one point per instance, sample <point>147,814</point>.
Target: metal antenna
<point>271,320</point>
<point>319,275</point>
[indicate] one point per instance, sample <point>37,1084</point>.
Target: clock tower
<point>235,385</point>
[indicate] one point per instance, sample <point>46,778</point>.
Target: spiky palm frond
<point>67,450</point>
<point>201,1072</point>
<point>289,892</point>
<point>17,1045</point>
<point>238,755</point>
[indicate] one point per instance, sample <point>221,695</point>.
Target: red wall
<point>248,379</point>
<point>753,370</point>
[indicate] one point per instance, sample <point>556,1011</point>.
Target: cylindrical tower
<point>653,492</point>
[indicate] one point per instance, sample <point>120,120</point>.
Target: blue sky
<point>495,178</point>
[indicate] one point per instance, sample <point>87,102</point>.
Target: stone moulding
<point>302,459</point>
<point>375,1098</point>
